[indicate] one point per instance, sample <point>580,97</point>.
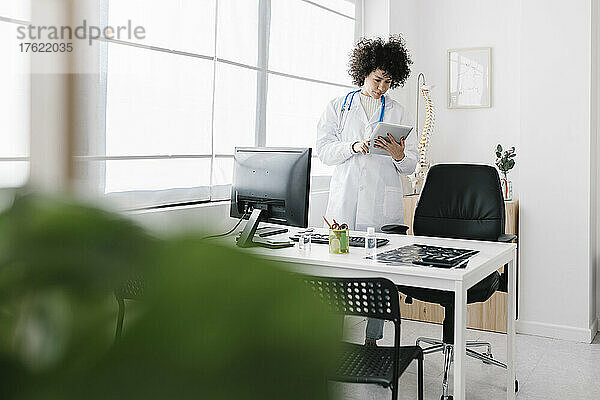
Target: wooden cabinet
<point>489,316</point>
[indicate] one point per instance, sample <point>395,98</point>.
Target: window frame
<point>217,193</point>
<point>27,158</point>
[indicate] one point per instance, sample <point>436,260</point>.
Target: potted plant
<point>60,262</point>
<point>505,162</point>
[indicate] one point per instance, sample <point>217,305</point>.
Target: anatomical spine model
<point>424,163</point>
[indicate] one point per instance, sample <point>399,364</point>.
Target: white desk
<point>491,256</point>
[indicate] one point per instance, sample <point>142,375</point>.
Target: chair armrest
<point>397,229</point>
<point>503,284</point>
<point>506,238</point>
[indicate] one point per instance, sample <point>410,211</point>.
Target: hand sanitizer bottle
<point>370,243</point>
<point>304,240</point>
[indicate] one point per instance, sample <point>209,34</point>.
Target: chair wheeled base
<point>448,350</point>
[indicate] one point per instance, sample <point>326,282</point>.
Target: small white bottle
<point>370,243</point>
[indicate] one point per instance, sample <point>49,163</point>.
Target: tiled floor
<point>547,369</point>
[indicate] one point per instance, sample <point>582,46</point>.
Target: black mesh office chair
<point>133,289</point>
<point>465,202</point>
<point>375,298</point>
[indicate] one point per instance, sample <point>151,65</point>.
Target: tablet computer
<point>382,129</point>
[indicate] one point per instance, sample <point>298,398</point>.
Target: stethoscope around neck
<point>346,109</point>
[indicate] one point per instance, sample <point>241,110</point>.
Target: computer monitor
<point>270,184</point>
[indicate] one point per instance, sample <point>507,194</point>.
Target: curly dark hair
<point>391,57</point>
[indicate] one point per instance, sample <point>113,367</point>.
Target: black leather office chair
<point>465,202</point>
<point>376,298</point>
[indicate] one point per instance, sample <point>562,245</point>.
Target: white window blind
<point>14,96</point>
<point>209,76</point>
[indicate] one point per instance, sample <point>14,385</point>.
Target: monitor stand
<point>247,238</point>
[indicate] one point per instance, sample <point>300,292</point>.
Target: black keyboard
<point>355,241</point>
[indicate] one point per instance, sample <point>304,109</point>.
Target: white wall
<point>543,105</point>
<point>402,21</point>
<point>471,135</point>
<point>556,219</point>
<point>376,18</point>
<point>595,150</point>
<point>385,17</point>
<point>212,218</point>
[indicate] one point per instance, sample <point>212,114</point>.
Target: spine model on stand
<point>427,128</point>
<point>418,178</point>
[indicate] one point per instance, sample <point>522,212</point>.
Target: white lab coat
<point>365,190</point>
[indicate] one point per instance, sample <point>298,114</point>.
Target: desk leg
<point>460,327</point>
<point>510,329</point>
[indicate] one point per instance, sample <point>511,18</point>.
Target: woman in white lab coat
<point>366,190</point>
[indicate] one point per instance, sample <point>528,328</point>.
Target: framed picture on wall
<point>469,77</point>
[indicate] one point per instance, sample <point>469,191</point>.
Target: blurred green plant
<point>505,162</point>
<point>216,323</point>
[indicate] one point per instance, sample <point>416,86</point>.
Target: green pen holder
<point>339,241</point>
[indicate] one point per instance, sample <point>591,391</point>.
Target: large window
<point>14,96</point>
<point>211,75</point>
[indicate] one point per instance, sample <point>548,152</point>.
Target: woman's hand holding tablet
<point>388,139</point>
